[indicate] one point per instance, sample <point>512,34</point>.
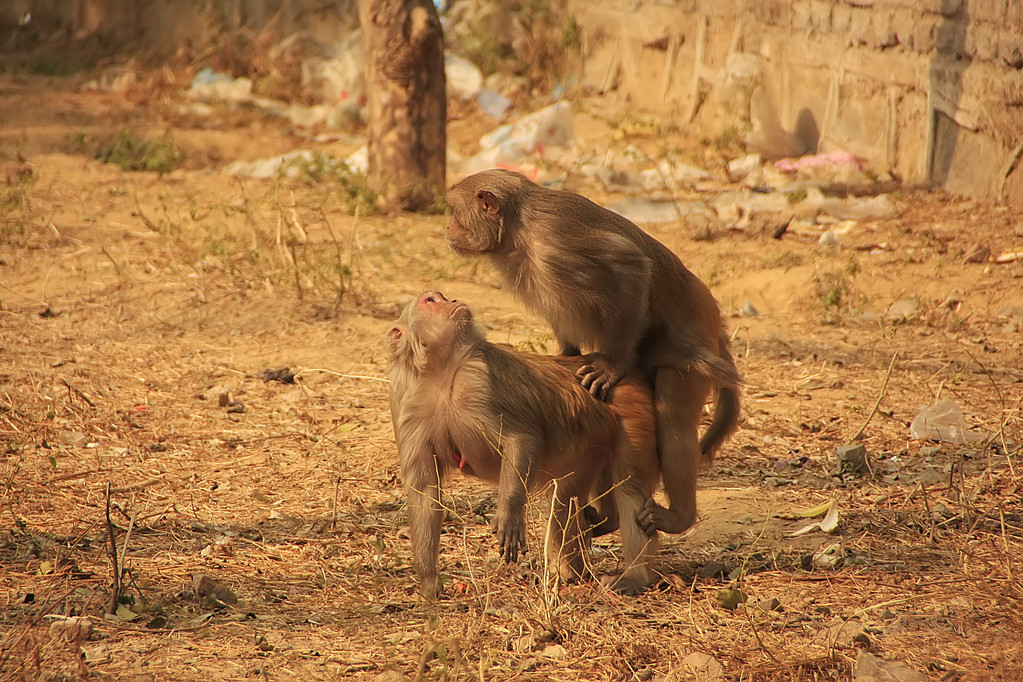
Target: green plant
<point>320,168</point>
<point>729,138</point>
<point>796,196</point>
<point>536,343</point>
<point>570,39</point>
<point>785,260</point>
<point>15,210</point>
<point>53,65</point>
<point>135,154</point>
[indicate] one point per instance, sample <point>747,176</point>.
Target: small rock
<point>832,556</point>
<point>851,458</point>
<point>702,667</point>
<point>68,437</point>
<point>95,654</point>
<point>743,166</point>
<point>281,374</point>
<point>903,309</point>
<point>840,632</point>
<point>870,668</point>
<point>528,665</point>
<point>978,254</point>
<point>749,310</point>
<point>714,569</point>
<point>210,590</point>
<point>218,393</point>
<point>769,605</point>
<point>236,407</point>
<point>71,628</point>
<point>391,676</point>
<point>930,450</point>
<point>931,476</point>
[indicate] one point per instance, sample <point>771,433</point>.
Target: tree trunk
<point>407,104</point>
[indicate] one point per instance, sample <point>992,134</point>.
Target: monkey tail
<point>726,408</point>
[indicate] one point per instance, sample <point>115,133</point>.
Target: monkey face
<point>435,304</point>
<point>433,321</point>
<point>478,216</point>
<point>432,326</point>
<point>460,240</point>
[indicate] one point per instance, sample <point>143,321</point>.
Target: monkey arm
<point>568,349</point>
<point>517,453</point>
<point>598,299</point>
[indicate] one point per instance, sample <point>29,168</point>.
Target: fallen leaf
<point>125,614</point>
<point>828,524</point>
<point>555,651</point>
<point>702,666</point>
<point>814,511</point>
<point>95,654</point>
<point>730,598</point>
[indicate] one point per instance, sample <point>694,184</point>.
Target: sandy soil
<point>137,311</point>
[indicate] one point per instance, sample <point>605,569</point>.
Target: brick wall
<point>931,89</point>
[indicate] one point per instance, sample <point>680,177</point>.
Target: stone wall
<point>930,89</point>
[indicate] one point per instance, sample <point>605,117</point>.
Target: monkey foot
<point>653,517</point>
<point>629,586</point>
<point>597,377</point>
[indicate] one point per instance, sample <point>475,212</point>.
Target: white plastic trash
<point>942,421</point>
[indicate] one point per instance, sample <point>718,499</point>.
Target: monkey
<point>607,287</point>
<point>522,421</point>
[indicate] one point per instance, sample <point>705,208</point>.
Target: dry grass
<point>163,294</point>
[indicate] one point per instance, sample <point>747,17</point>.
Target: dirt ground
<point>138,310</point>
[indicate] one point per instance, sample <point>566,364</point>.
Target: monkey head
<point>432,325</point>
<point>484,206</point>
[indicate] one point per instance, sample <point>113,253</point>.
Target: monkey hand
<point>598,376</point>
<point>510,530</point>
<point>653,517</point>
<point>650,518</point>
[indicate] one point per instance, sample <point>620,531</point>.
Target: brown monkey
<point>521,421</point>
<point>607,287</point>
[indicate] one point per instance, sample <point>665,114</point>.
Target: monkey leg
<point>639,550</point>
<point>599,520</point>
<point>425,518</point>
<point>679,398</point>
<point>600,515</point>
<point>635,470</point>
<point>566,532</point>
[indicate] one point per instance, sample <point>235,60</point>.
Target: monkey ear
<point>394,336</point>
<point>488,202</point>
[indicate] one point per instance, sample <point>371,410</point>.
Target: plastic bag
<point>942,421</point>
